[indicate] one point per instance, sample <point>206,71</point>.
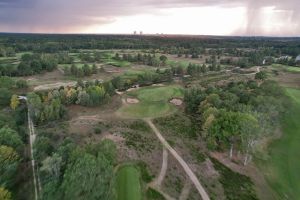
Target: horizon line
<point>151,34</point>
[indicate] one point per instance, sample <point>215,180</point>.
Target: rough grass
<point>282,168</point>
<point>128,185</point>
<point>153,102</point>
<point>154,195</point>
<point>236,186</point>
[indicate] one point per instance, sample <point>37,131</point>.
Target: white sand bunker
<point>132,100</point>
<point>176,102</point>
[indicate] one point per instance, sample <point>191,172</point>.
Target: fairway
<point>282,169</point>
<point>128,183</point>
<point>155,93</point>
<point>153,102</point>
<point>286,67</point>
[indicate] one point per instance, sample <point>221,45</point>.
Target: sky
<point>194,17</point>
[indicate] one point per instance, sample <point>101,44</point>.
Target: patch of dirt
<point>176,102</point>
<point>112,69</point>
<point>136,87</point>
<point>289,79</point>
<point>159,85</point>
<point>132,100</point>
<point>209,168</point>
<point>114,137</point>
<point>56,85</point>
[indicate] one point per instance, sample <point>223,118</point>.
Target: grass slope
<point>128,183</point>
<point>236,186</point>
<point>153,102</point>
<point>283,166</point>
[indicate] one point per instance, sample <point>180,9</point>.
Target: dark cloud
<point>71,15</point>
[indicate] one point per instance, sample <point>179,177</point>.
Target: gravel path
<point>184,165</point>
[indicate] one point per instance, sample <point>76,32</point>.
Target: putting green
<point>282,169</point>
<point>153,102</point>
<point>128,185</point>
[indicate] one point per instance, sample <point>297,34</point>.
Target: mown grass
<point>128,184</point>
<point>147,110</point>
<point>153,102</point>
<point>154,93</point>
<point>282,168</point>
<point>286,68</point>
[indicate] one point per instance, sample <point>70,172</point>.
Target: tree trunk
<point>231,151</point>
<point>246,159</point>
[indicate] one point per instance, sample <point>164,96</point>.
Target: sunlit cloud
<point>201,17</point>
<point>200,20</point>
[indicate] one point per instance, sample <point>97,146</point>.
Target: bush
<point>97,130</point>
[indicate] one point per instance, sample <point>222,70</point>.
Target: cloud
<point>73,16</point>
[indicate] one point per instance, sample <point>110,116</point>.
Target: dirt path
<point>158,181</point>
<point>185,191</point>
<point>184,165</point>
<point>32,137</point>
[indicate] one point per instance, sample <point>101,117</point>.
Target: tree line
<point>146,59</point>
<point>12,139</point>
<point>50,105</point>
<point>85,70</point>
<point>238,115</point>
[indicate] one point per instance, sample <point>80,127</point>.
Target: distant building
<point>141,32</point>
<point>134,32</point>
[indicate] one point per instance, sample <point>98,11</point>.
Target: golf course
<point>153,102</point>
<point>283,166</point>
<point>128,183</point>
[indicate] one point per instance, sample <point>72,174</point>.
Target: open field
<point>282,168</point>
<point>153,102</point>
<point>128,183</point>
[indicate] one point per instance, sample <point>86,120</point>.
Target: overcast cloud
<point>73,16</point>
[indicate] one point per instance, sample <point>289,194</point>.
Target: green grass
<point>128,184</point>
<point>184,64</point>
<point>153,102</point>
<point>154,195</point>
<point>151,94</point>
<point>282,168</point>
<point>147,110</point>
<point>286,68</point>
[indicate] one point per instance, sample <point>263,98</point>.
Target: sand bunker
<point>132,100</point>
<point>176,102</point>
